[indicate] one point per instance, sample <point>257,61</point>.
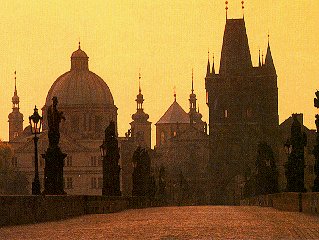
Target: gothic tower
<point>140,126</point>
<point>195,116</point>
<point>15,117</point>
<point>243,105</point>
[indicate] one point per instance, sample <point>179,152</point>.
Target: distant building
<point>88,106</point>
<point>243,110</point>
<point>182,148</point>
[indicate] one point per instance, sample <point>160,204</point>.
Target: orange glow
<point>165,39</point>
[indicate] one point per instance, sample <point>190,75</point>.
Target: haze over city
<point>165,39</point>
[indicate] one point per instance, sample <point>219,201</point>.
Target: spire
<point>139,98</point>
<point>192,80</point>
<point>226,8</point>
<point>139,82</point>
<point>259,59</point>
<point>15,82</point>
<point>208,66</point>
<point>15,98</point>
<point>269,63</point>
<point>213,68</point>
<point>243,7</point>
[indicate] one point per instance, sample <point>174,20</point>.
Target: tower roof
<point>174,114</point>
<point>269,62</point>
<point>235,55</point>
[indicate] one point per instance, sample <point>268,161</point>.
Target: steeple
<point>259,59</point>
<point>139,98</point>
<point>269,63</point>
<point>15,98</point>
<point>213,67</point>
<point>192,97</point>
<point>15,117</point>
<point>208,66</point>
<point>140,126</point>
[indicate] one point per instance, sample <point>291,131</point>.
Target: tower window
<point>225,113</point>
<point>68,162</point>
<point>93,183</point>
<point>163,140</point>
<point>68,184</point>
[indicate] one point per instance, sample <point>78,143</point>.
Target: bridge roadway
<point>198,222</point>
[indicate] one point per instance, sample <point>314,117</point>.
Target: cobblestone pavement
<point>202,222</point>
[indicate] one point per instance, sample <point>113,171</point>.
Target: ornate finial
<point>208,54</point>
<point>79,44</point>
<point>15,81</point>
<point>259,58</point>
<point>174,93</point>
<point>262,58</point>
<point>226,8</point>
<point>242,6</point>
<point>268,37</point>
<point>192,80</point>
<point>139,82</point>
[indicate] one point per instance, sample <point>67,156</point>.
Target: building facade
<point>243,110</point>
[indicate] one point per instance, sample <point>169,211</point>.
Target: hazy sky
<point>165,39</point>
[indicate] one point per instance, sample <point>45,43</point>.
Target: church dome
<point>85,100</point>
<point>79,86</point>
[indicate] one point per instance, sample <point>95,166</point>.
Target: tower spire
<point>192,80</point>
<point>226,8</point>
<point>213,68</point>
<point>15,82</point>
<point>139,82</point>
<point>208,65</point>
<point>259,59</point>
<point>243,7</point>
<point>139,98</point>
<point>269,63</point>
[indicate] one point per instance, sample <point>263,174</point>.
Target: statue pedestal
<point>53,171</point>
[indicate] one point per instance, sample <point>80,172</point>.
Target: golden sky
<point>163,38</point>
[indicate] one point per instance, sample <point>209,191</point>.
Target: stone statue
<point>54,157</point>
<point>54,119</point>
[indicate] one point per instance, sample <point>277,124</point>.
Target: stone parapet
<point>16,210</point>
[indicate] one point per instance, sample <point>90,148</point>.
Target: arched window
<point>163,140</point>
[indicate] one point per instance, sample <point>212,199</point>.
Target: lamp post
<point>36,123</point>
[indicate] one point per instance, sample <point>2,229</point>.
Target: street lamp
<point>36,123</point>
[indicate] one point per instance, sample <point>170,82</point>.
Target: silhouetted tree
<point>249,187</point>
<point>296,162</point>
<point>267,174</point>
<point>183,189</point>
<point>11,180</point>
<point>162,185</point>
<point>141,173</point>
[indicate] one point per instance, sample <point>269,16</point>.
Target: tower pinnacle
<point>226,8</point>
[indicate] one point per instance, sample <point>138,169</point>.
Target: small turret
<point>15,117</point>
<point>269,63</point>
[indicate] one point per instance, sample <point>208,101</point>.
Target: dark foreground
<point>204,222</point>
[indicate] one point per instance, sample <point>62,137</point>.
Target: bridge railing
<point>286,201</point>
